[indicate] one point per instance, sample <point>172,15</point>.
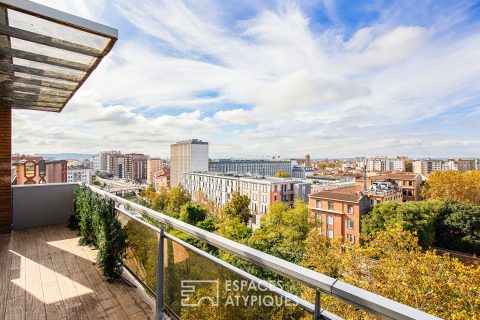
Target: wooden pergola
<point>45,57</point>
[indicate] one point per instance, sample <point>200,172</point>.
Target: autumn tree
<point>408,166</point>
<point>237,206</point>
<point>392,264</point>
<point>453,185</point>
<point>175,199</point>
<point>282,174</point>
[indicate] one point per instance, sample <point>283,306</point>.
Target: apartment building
<point>381,191</point>
<point>135,167</point>
<point>465,165</point>
<point>261,191</point>
<point>426,167</point>
<point>79,174</point>
<point>338,212</point>
<point>382,164</point>
<point>301,172</point>
<point>40,172</point>
<point>154,165</point>
<point>187,156</point>
<point>408,183</point>
<point>252,167</point>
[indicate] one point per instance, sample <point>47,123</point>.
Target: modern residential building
<point>262,191</point>
<point>338,212</point>
<point>135,167</point>
<point>465,165</point>
<point>112,161</point>
<point>268,168</point>
<point>79,174</point>
<point>426,167</point>
<point>154,165</point>
<point>187,156</point>
<point>382,164</point>
<point>33,172</point>
<point>409,183</point>
<point>381,191</point>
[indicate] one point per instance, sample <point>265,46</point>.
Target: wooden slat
<point>6,244</point>
<point>47,73</point>
<point>15,53</point>
<point>49,41</point>
<point>39,91</point>
<point>35,98</point>
<point>34,108</point>
<point>34,304</point>
<point>44,83</point>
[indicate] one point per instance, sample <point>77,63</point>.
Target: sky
<point>258,79</point>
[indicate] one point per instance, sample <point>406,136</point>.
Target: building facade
<point>154,165</point>
<point>408,183</point>
<point>162,179</point>
<point>135,167</point>
<point>338,213</point>
<point>268,168</point>
<point>381,164</point>
<point>381,191</point>
<point>261,191</point>
<point>33,172</point>
<point>79,174</point>
<point>187,156</point>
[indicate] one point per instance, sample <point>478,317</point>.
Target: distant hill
<point>65,156</point>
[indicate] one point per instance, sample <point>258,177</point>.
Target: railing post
<point>160,315</point>
<point>317,315</point>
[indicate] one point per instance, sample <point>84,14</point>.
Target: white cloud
<point>294,90</point>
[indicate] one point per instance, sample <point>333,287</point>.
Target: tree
<point>282,174</point>
<point>419,217</point>
<point>283,231</point>
<point>237,206</point>
<point>453,185</point>
<point>233,228</point>
<point>176,198</point>
<point>459,228</point>
<point>192,213</point>
<point>393,265</point>
<point>409,166</point>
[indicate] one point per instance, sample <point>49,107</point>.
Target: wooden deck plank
<point>45,274</point>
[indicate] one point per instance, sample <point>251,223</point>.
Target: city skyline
<point>277,78</point>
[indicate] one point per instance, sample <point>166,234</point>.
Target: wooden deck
<point>45,274</point>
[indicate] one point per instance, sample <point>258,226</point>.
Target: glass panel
<point>52,29</point>
<point>49,67</point>
<point>50,51</point>
<point>141,251</point>
<point>198,288</point>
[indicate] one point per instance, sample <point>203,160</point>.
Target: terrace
<point>46,55</point>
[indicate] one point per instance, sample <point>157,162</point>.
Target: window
<point>330,205</point>
<point>350,224</point>
<point>351,238</point>
<point>350,209</point>
<point>330,220</point>
<point>318,217</point>
<point>379,201</point>
<point>330,233</point>
<point>319,204</point>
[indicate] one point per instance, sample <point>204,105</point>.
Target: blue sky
<point>260,79</point>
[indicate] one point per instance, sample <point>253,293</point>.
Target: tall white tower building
<point>187,156</point>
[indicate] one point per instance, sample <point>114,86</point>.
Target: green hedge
<point>100,228</point>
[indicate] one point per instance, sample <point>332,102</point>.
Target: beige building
<point>154,165</point>
<point>187,156</point>
<point>162,179</point>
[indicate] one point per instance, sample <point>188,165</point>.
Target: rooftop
<point>345,194</point>
<point>395,176</point>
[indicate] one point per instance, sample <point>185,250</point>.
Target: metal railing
<point>322,284</point>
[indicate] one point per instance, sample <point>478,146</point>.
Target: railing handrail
<point>366,300</point>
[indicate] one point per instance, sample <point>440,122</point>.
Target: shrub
<point>100,228</point>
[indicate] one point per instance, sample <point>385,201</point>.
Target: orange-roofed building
<point>338,212</point>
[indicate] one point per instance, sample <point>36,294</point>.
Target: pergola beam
<point>15,53</point>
